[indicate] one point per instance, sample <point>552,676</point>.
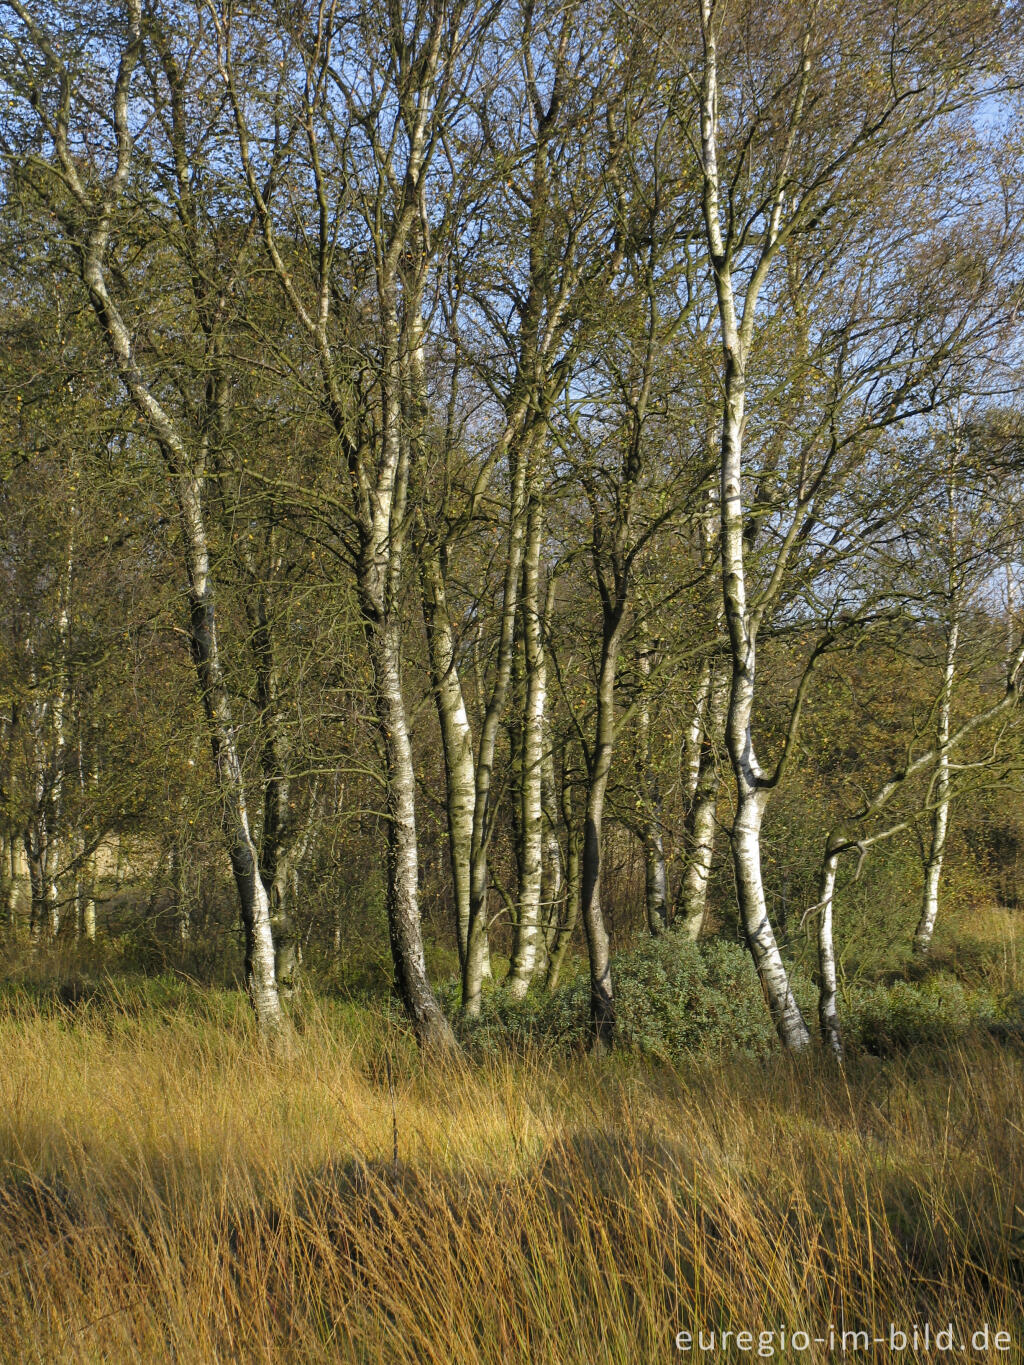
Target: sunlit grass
<point>172,1192</point>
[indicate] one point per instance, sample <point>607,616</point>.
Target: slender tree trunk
<point>278,825</point>
<point>260,979</point>
<point>526,941</point>
<point>456,736</point>
<point>402,859</point>
<point>828,1014</point>
<point>655,875</point>
<point>693,740</point>
<point>40,911</point>
<point>187,472</point>
<point>379,577</point>
<point>19,893</point>
<point>7,880</point>
<point>55,823</point>
<point>573,888</point>
<point>551,880</point>
<point>940,797</point>
<point>602,1003</point>
<point>751,792</point>
<point>702,816</point>
<point>89,899</point>
<point>483,812</point>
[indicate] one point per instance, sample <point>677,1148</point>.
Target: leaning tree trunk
<point>260,977</point>
<point>97,205</point>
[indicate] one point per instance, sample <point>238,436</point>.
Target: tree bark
<point>752,791</point>
<point>602,1003</point>
<point>483,812</point>
<point>940,794</point>
<point>527,934</point>
<point>828,1014</point>
<point>702,816</point>
<point>456,736</point>
<point>573,888</point>
<point>655,875</point>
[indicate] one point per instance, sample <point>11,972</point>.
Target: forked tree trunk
<point>751,792</point>
<point>402,858</point>
<point>379,579</point>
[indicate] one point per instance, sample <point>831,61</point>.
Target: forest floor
<point>170,1191</point>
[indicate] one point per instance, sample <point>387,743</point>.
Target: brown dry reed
<point>171,1192</point>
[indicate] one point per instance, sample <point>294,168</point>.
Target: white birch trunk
<point>828,1014</point>
<point>702,817</point>
<point>552,878</point>
<point>456,737</point>
<point>483,813</point>
<point>751,791</point>
<point>940,796</point>
<point>570,915</point>
<point>655,875</point>
<point>526,940</point>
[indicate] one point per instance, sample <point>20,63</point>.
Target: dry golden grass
<point>171,1193</point>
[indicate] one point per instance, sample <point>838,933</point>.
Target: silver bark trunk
<point>828,1014</point>
<point>940,797</point>
<point>526,939</point>
<point>702,816</point>
<point>655,874</point>
<point>456,736</point>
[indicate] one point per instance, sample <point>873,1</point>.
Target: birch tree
<point>85,182</point>
<point>791,128</point>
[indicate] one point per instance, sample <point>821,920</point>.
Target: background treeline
<point>510,482</point>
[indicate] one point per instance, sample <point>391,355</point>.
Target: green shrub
<point>939,1010</point>
<point>672,997</point>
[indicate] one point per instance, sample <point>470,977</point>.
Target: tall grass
<point>170,1192</point>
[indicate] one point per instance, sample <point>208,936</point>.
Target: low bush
<point>939,1010</point>
<point>672,997</point>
